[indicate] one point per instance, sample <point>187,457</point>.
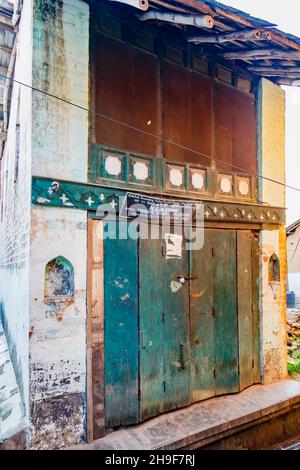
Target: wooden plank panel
<point>95,332</point>
<point>244,280</point>
<point>151,330</point>
<point>225,308</point>
<point>202,321</point>
<point>255,308</point>
<point>187,114</point>
<point>126,90</point>
<point>121,341</point>
<point>235,128</point>
<point>176,327</point>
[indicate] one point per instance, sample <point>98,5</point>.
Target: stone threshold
<point>214,420</point>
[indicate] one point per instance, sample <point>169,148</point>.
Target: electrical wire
<point>149,134</point>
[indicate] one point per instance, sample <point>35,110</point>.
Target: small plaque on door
<point>173,245</point>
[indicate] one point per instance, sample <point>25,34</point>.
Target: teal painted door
<point>164,324</point>
<point>152,363</point>
<point>169,344</point>
<point>213,318</point>
<point>121,341</point>
<point>176,331</point>
<point>225,312</point>
<point>202,321</point>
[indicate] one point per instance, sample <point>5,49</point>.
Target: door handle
<point>182,356</point>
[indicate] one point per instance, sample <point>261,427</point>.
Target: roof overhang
<point>230,34</point>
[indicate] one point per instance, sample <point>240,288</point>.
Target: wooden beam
<point>168,5</point>
<point>274,69</point>
<point>6,24</point>
<point>242,35</point>
<point>218,11</point>
<point>196,5</point>
<point>261,54</point>
<point>275,73</point>
<point>203,21</point>
<point>284,41</point>
<point>288,63</point>
<point>288,82</point>
<point>5,49</point>
<point>237,18</point>
<point>139,4</point>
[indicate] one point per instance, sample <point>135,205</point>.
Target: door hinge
<point>214,373</point>
<point>163,317</point>
<point>213,312</point>
<point>253,363</point>
<point>139,395</point>
<point>164,386</point>
<point>162,250</point>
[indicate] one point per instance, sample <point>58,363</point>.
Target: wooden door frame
<point>95,331</point>
<point>95,322</point>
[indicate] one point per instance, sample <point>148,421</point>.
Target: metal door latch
<point>182,278</point>
<point>182,363</point>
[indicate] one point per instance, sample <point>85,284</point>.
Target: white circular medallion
<point>226,185</point>
<point>243,188</point>
<point>197,181</point>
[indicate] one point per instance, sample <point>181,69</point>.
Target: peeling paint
<point>59,417</point>
<point>57,347</point>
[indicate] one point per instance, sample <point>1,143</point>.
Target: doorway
<point>178,329</point>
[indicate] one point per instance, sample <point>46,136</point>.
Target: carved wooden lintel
<point>49,192</point>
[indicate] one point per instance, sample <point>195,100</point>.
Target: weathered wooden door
<point>224,314</point>
<point>248,313</point>
<point>164,325</point>
<point>167,344</point>
<point>202,321</point>
<point>121,341</point>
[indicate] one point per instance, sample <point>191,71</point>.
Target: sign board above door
<point>155,208</point>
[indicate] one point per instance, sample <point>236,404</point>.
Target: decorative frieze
<point>49,192</point>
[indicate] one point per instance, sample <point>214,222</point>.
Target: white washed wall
<point>60,67</point>
<point>15,223</point>
<point>57,345</point>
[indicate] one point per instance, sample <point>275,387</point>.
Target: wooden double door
<point>168,344</point>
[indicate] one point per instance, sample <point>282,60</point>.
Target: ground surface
<point>202,421</point>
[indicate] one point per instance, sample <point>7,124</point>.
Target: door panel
<point>202,321</point>
<point>225,309</point>
<point>176,338</point>
<point>152,361</point>
<point>244,278</point>
<point>178,345</point>
<point>164,316</point>
<point>121,331</point>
